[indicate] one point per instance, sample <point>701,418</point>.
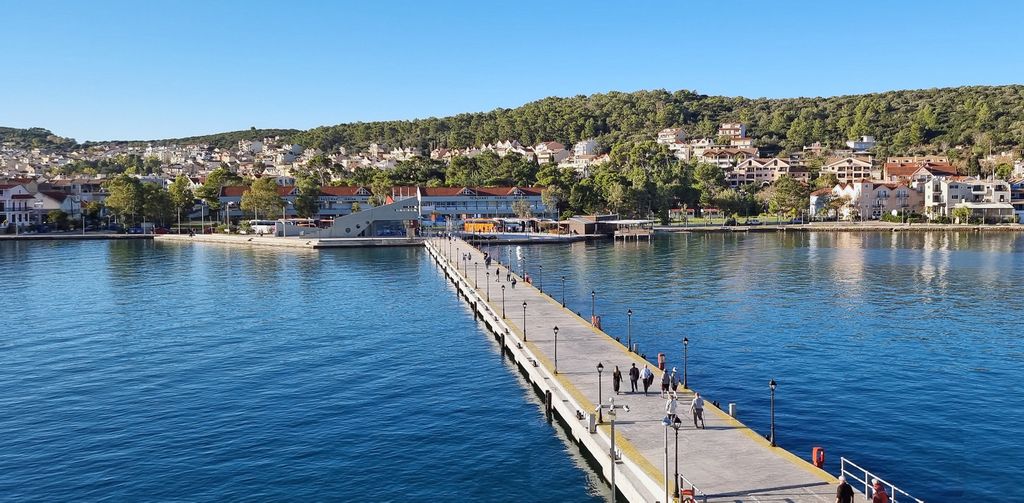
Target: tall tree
<point>708,179</point>
<point>262,198</point>
<point>307,202</point>
<point>124,197</point>
<point>789,196</point>
<point>181,196</point>
<point>157,205</point>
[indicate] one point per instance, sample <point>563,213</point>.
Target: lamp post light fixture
<point>772,384</point>
<point>476,274</point>
<point>524,321</point>
<point>600,369</point>
<point>503,302</point>
<point>629,330</point>
<point>666,423</point>
<point>540,278</point>
<point>563,291</point>
<point>612,413</point>
<point>593,304</point>
<point>488,280</point>
<point>675,423</point>
<point>556,347</point>
<point>686,345</point>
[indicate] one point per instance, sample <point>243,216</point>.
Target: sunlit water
<point>139,371</point>
<point>147,371</point>
<point>900,351</point>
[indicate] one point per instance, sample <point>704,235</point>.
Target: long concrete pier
<point>726,461</point>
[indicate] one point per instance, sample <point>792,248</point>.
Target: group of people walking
<point>669,385</point>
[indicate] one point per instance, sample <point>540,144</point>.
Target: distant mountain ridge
<point>902,121</point>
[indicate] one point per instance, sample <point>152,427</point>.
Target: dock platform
<point>725,462</point>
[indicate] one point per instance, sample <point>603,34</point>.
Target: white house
<point>585,147</point>
<point>862,144</point>
<point>16,205</point>
<point>986,198</point>
<point>849,168</point>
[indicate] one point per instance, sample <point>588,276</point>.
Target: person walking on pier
<point>648,378</point>
<point>666,380</point>
<point>513,283</point>
<point>670,407</point>
<point>508,276</point>
<point>674,380</point>
<point>844,493</point>
<point>616,379</point>
<point>634,375</point>
<point>697,408</point>
<point>497,275</point>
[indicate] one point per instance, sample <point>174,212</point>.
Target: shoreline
<point>868,227</point>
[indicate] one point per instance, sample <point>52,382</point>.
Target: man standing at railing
<point>844,493</point>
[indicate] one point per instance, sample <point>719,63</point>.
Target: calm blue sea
<point>900,351</point>
<point>145,371</point>
<point>139,371</point>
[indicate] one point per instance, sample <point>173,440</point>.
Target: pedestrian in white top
<point>670,407</point>
<point>697,408</point>
<point>648,378</point>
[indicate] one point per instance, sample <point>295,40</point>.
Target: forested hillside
<point>902,121</point>
<point>32,138</point>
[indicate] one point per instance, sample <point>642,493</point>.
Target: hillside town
<point>846,183</point>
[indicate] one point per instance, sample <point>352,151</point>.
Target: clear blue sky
<point>102,70</point>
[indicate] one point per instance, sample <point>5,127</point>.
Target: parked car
<point>161,230</point>
<point>797,220</point>
<point>729,222</point>
<point>753,221</point>
<point>135,230</point>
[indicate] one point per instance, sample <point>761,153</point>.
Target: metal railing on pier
<point>863,478</point>
<point>692,491</point>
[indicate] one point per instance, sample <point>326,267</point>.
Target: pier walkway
<point>726,461</point>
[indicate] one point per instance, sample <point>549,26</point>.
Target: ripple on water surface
<point>148,371</point>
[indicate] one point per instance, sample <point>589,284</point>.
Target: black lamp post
<point>540,278</point>
<point>476,274</point>
<point>629,330</point>
<point>487,274</point>
<point>600,415</point>
<point>686,345</point>
<point>772,385</point>
<point>556,348</point>
<point>675,424</point>
<point>524,321</point>
<point>503,301</point>
<point>563,291</point>
<point>593,303</point>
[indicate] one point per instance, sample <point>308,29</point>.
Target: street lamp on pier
<point>600,369</point>
<point>686,344</point>
<point>540,278</point>
<point>629,330</point>
<point>612,413</point>
<point>772,384</point>
<point>476,274</point>
<point>502,301</point>
<point>487,275</point>
<point>675,423</point>
<point>563,291</point>
<point>524,321</point>
<point>593,303</point>
<point>556,347</point>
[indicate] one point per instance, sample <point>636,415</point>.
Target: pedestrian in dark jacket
<point>634,376</point>
<point>616,379</point>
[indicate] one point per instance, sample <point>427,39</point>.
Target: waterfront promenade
<point>726,461</point>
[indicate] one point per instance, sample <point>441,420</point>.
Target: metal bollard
<point>732,410</point>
